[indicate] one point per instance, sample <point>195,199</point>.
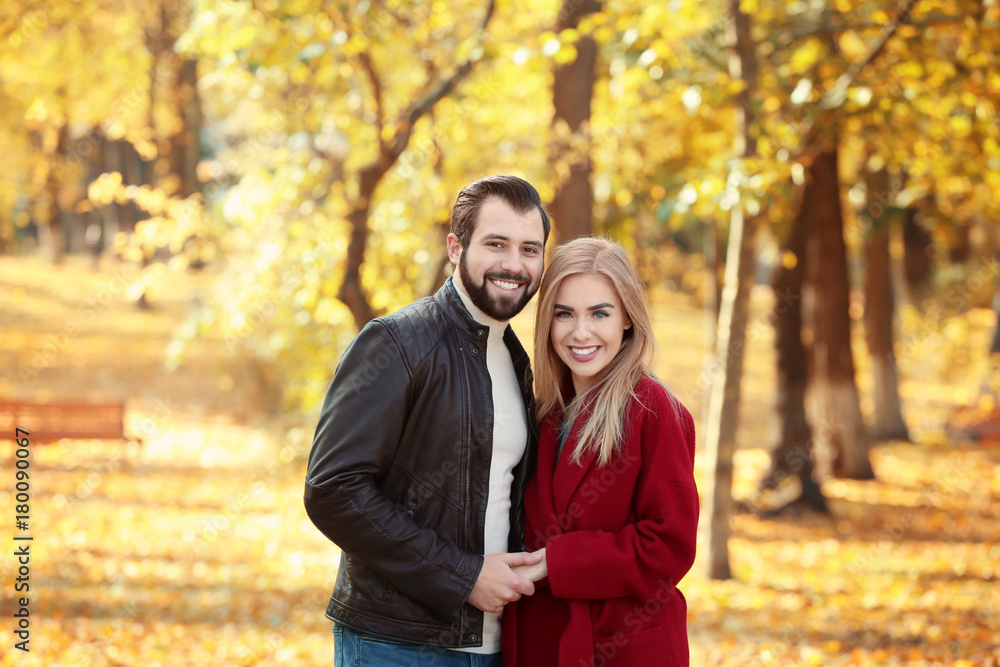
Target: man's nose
<point>511,261</point>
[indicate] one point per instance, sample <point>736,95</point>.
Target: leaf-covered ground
<point>193,549</point>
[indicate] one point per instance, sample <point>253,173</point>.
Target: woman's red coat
<point>618,538</point>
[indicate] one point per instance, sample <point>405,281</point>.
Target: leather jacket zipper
<point>465,528</point>
<point>465,542</point>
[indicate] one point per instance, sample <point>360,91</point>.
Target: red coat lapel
<point>538,501</point>
<point>569,475</point>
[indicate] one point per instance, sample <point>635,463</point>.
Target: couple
<point>451,498</point>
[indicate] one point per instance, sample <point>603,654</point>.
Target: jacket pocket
<point>437,483</point>
<point>409,509</point>
<point>388,593</point>
<point>367,582</point>
<point>651,646</point>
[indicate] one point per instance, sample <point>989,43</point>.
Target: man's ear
<point>454,249</point>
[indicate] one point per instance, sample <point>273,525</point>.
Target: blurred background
<point>203,201</point>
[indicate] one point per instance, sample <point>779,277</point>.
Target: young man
<point>423,448</point>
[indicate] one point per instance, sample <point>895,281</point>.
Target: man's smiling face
<point>501,268</point>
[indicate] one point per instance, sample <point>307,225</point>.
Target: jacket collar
<point>451,303</point>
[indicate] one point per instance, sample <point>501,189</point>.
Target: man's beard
<point>498,307</point>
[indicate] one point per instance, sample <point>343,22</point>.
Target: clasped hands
<point>505,578</point>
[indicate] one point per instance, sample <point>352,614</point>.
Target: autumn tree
<point>341,136</point>
<point>335,138</point>
<point>792,449</point>
<point>733,313</point>
<point>838,427</point>
<point>880,309</point>
<point>917,138</point>
<point>91,96</point>
<point>174,107</point>
<point>827,298</point>
<point>572,92</point>
<point>806,99</point>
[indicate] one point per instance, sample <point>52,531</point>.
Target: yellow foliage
<point>852,44</point>
<point>288,91</point>
<point>807,55</point>
<point>565,54</point>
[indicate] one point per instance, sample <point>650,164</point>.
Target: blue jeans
<point>352,649</point>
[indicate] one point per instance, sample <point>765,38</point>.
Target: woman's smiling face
<point>588,325</point>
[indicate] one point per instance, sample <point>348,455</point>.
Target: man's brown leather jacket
<point>399,472</point>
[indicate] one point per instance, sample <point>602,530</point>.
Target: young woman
<point>613,504</point>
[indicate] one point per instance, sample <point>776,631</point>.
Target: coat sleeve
<point>359,428</point>
<point>652,554</point>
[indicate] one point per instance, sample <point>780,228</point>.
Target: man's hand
<point>535,572</point>
<point>498,585</point>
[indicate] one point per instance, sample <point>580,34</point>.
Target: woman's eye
<point>600,314</point>
<point>562,316</point>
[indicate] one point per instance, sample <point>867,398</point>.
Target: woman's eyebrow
<point>597,307</point>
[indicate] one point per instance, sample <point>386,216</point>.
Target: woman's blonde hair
<point>614,386</point>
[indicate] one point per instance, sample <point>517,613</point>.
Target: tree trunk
<point>838,425</point>
<point>712,290</point>
<point>961,243</point>
<point>52,227</point>
<point>51,233</point>
<point>712,294</point>
<point>111,154</point>
<point>352,292</point>
<point>917,251</point>
<point>995,342</point>
<point>132,174</point>
<point>183,145</point>
<point>720,437</point>
<point>572,93</point>
<point>792,453</point>
<point>888,421</point>
<point>987,386</point>
<point>95,219</point>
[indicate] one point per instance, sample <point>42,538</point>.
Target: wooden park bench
<point>54,420</point>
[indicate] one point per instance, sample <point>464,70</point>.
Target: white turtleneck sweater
<point>510,437</point>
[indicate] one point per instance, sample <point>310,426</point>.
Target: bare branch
<point>417,111</point>
<point>400,18</point>
<point>786,34</point>
<point>376,81</point>
<point>352,292</point>
<point>838,93</point>
<point>814,141</point>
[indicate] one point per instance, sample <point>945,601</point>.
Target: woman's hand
<point>533,572</point>
<point>499,582</point>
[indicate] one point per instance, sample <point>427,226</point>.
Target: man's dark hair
<point>511,190</point>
